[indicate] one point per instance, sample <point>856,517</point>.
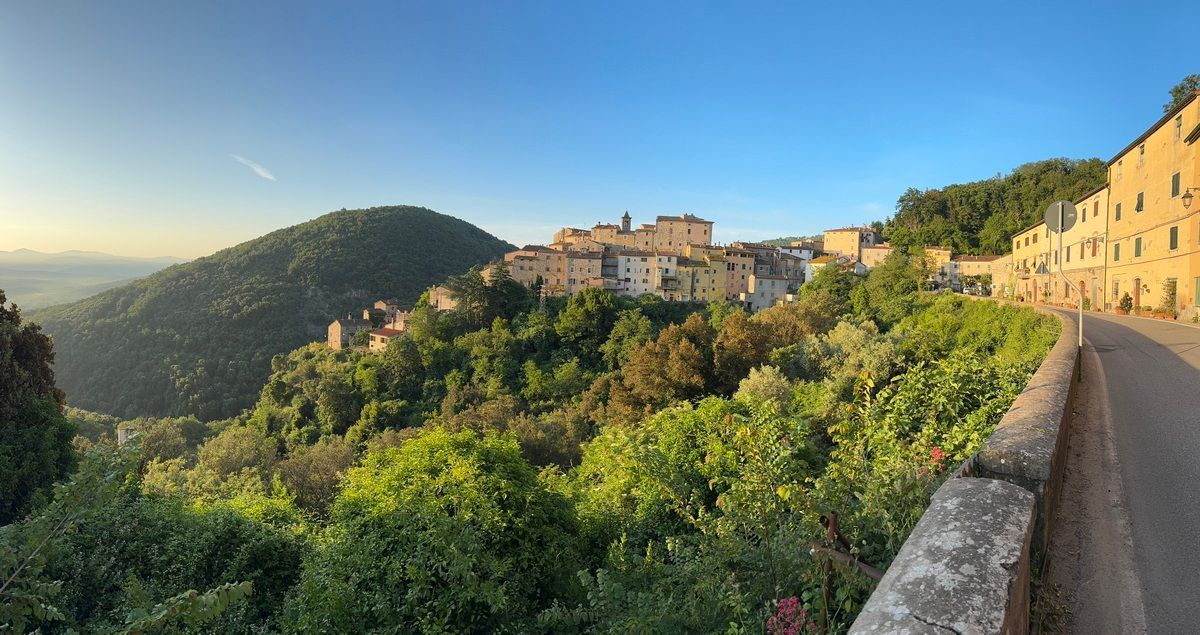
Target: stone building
<point>341,330</point>
<point>849,241</point>
<point>380,338</point>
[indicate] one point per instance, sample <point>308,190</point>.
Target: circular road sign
<point>1068,213</point>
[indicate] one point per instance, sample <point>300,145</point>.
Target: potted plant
<point>1125,306</point>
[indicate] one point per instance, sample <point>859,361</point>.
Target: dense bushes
<point>447,533</point>
<point>688,458</point>
<point>144,547</point>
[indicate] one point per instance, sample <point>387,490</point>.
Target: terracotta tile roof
<point>975,258</point>
<point>852,229</point>
<point>691,218</point>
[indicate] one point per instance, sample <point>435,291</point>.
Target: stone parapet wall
<point>966,566</point>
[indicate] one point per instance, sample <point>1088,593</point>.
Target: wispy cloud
<point>258,169</point>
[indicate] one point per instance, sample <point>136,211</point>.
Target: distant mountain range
<point>33,279</point>
<point>198,338</point>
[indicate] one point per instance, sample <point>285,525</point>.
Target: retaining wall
<point>966,566</point>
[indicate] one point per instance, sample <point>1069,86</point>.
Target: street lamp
<point>1187,196</point>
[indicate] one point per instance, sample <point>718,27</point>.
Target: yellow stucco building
<point>1153,226</point>
<point>1029,263</point>
<point>849,241</point>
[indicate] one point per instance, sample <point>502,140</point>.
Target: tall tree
<point>35,436</point>
<point>1181,91</point>
<point>981,217</point>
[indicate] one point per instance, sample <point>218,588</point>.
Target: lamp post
<point>1187,196</point>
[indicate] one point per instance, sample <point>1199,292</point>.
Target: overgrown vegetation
<point>594,464</point>
<point>198,338</point>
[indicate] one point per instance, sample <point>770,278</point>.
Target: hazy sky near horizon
<point>171,128</point>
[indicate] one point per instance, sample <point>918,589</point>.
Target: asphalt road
<point>1151,381</point>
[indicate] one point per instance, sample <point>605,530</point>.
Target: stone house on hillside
<point>342,329</point>
<point>380,338</point>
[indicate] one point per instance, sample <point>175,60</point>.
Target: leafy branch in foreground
<point>27,597</point>
<point>190,607</point>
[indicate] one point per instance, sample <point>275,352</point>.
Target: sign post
<point>1061,216</point>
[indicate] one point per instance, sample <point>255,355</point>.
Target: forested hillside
<point>981,217</point>
<point>592,464</point>
<point>198,338</point>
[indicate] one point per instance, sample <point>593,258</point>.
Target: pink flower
<point>789,618</point>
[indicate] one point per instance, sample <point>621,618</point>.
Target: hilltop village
<point>1135,240</point>
<point>673,259</point>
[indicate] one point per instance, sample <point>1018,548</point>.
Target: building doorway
<point>1137,292</point>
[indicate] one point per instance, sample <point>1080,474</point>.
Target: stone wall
<point>966,566</point>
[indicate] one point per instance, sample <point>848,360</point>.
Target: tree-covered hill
<point>981,217</point>
<point>197,338</point>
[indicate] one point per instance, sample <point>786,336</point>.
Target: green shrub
<point>445,533</point>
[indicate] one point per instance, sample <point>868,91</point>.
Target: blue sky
<point>120,122</point>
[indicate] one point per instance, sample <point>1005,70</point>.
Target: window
<point>1016,245</point>
<point>1137,246</point>
<point>1095,208</point>
<point>1116,252</point>
<point>1068,250</point>
<point>1178,127</point>
<point>1197,291</point>
<point>1174,185</point>
<point>1141,202</point>
<point>1117,290</point>
<point>1174,238</point>
<point>1118,211</point>
<point>1035,239</point>
<point>1080,251</point>
<point>1119,170</point>
<point>1095,246</point>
